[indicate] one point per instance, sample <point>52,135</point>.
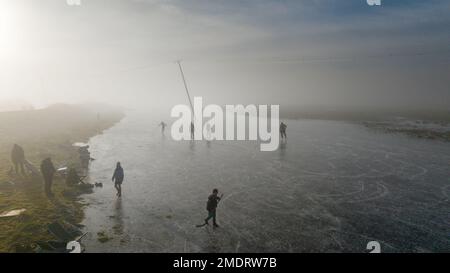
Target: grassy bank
<point>43,133</point>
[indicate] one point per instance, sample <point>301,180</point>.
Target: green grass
<point>47,132</point>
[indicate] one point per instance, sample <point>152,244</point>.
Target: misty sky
<point>290,52</point>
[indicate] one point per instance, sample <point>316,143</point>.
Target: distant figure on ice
<point>18,158</point>
<point>163,126</point>
<point>192,131</point>
<point>208,132</point>
<point>48,171</point>
<point>117,178</point>
<point>211,207</point>
<point>283,131</point>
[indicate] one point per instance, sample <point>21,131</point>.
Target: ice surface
<point>333,187</point>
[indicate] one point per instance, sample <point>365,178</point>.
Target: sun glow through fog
<point>9,29</point>
<point>12,54</point>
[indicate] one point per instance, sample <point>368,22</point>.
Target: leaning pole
<point>186,87</point>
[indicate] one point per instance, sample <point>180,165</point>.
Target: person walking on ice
<point>163,126</point>
<point>211,206</point>
<point>283,131</point>
<point>117,178</point>
<point>192,131</point>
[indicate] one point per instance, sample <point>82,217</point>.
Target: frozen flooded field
<point>334,187</point>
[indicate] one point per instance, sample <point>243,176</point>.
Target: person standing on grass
<point>117,178</point>
<point>48,171</point>
<point>18,158</point>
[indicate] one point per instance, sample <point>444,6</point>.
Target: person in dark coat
<point>18,158</point>
<point>117,178</point>
<point>211,207</point>
<point>163,126</point>
<point>48,171</point>
<point>283,131</point>
<point>192,131</point>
